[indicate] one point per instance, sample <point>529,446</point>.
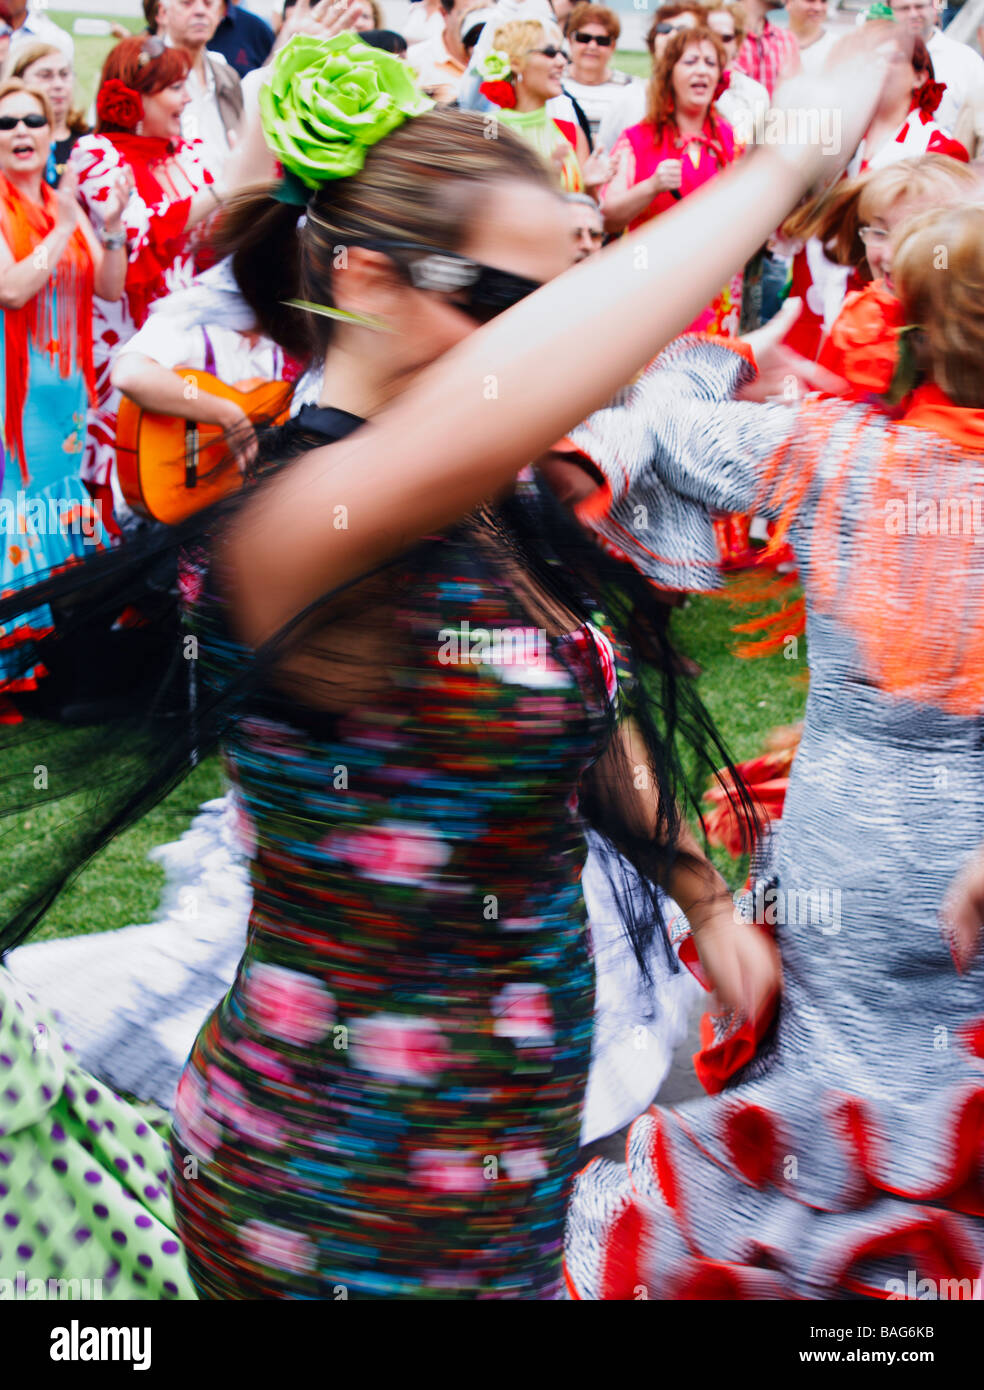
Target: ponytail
<point>261,236</point>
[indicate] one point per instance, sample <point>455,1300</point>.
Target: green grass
<point>635,64</point>
<point>90,54</point>
<point>121,886</point>
<point>746,698</point>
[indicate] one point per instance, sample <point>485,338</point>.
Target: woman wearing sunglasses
<point>592,33</point>
<point>52,262</point>
<point>397,648</point>
<point>526,68</point>
<point>141,96</point>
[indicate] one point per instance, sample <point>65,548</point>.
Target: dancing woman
<point>388,1098</point>
<point>848,1154</point>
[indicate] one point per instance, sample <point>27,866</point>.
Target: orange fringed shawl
<point>57,321</point>
<point>908,577</point>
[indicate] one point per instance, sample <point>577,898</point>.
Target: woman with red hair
<point>141,96</point>
<point>679,146</point>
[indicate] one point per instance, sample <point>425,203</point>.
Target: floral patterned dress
<point>387,1102</point>
<point>160,259</point>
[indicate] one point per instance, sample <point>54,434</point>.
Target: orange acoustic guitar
<point>169,467</point>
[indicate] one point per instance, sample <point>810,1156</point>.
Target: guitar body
<point>169,468</point>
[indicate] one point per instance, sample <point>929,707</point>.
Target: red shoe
<point>9,713</point>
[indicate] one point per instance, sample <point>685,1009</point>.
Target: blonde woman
<point>526,68</point>
<point>45,66</point>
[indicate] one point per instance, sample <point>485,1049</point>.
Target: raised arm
<point>400,478</point>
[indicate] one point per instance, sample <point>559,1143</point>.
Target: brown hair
<point>587,13</point>
<point>423,183</point>
<point>836,216</point>
<point>661,103</point>
<point>938,273</point>
<point>144,64</point>
<point>738,17</point>
<point>15,84</point>
<point>33,53</point>
<point>672,11</point>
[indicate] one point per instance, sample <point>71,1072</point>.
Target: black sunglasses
<point>602,40</point>
<point>727,38</point>
<point>488,290</point>
<point>551,51</point>
<point>34,121</point>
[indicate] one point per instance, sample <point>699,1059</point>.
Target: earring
<point>139,130</point>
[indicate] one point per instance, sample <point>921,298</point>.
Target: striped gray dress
<point>848,1157</point>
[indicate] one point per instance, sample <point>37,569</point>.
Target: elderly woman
<point>526,66</point>
<point>592,32</point>
<point>680,145</point>
<point>45,66</point>
<point>52,262</point>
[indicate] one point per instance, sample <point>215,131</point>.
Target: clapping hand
<point>119,196</point>
<point>597,169</point>
<point>323,20</point>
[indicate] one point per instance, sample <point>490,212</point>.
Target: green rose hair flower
<point>495,66</point>
<point>879,11</point>
<point>329,100</point>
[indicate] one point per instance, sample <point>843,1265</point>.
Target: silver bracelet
<point>113,241</point>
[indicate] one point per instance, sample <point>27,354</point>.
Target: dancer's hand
<point>962,916</point>
<point>740,960</point>
<point>846,90</point>
<point>782,373</point>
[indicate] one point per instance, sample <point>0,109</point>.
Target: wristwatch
<point>113,241</point>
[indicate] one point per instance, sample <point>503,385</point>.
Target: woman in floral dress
<point>386,1103</point>
<point>419,709</point>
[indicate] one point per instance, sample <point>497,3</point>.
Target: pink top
<point>715,146</point>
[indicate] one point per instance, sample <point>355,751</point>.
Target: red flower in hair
<point>499,93</point>
<point>927,98</point>
<point>118,104</point>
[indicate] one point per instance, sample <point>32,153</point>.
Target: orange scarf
<point>56,321</point>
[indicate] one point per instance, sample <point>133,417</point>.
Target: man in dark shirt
<point>243,39</point>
